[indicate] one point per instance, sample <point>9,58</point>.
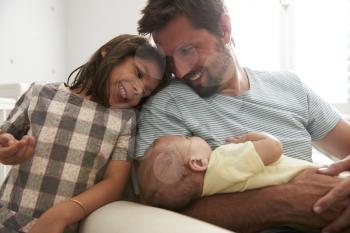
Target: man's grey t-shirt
<point>277,103</point>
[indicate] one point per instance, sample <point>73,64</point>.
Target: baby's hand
<point>236,139</point>
<point>13,151</point>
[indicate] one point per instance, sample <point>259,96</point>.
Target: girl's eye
<point>139,74</point>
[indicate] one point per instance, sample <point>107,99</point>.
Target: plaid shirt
<point>75,140</point>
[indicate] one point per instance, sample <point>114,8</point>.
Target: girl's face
<point>132,80</point>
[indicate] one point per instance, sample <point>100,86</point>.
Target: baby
<point>177,169</point>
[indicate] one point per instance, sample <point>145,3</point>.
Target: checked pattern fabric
<point>75,140</point>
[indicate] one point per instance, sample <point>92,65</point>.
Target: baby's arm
<point>68,212</point>
<point>267,146</point>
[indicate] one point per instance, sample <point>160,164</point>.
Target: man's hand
<point>311,186</point>
<point>336,168</point>
<point>13,151</point>
<point>339,194</point>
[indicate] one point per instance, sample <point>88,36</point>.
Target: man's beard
<point>211,87</point>
<point>215,79</point>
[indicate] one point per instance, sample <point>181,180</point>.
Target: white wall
<point>43,40</point>
<point>307,37</point>
<point>91,23</point>
<point>31,40</point>
<point>255,29</point>
<point>321,47</point>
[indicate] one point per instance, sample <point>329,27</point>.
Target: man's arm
<point>337,141</point>
<point>255,210</point>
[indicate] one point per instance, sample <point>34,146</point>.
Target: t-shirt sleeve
<point>160,116</point>
<point>17,122</point>
<point>230,168</point>
<point>242,160</point>
<point>125,145</point>
<point>322,116</point>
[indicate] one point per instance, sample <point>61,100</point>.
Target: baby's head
<point>172,171</point>
<point>122,73</point>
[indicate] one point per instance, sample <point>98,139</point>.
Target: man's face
<point>195,56</point>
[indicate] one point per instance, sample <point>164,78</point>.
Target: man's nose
<point>181,67</point>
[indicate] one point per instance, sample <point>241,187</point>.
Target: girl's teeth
<point>122,91</point>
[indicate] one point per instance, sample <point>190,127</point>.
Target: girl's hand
<point>13,151</point>
<point>49,222</point>
<point>58,217</point>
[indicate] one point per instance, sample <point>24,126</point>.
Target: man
<point>213,97</point>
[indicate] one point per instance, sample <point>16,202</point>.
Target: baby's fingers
<point>234,139</point>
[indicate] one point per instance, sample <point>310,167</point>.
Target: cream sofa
<point>130,217</point>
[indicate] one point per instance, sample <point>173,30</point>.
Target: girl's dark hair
<point>201,13</point>
<point>92,77</point>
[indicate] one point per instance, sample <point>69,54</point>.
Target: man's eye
<point>186,50</point>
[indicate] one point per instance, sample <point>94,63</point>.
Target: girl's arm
<point>267,146</point>
<point>67,212</point>
<point>15,145</point>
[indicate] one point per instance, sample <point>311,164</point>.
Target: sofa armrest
<point>130,217</point>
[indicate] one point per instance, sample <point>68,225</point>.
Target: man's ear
<point>225,27</point>
<point>198,164</point>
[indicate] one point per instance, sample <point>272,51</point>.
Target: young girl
<point>78,136</point>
